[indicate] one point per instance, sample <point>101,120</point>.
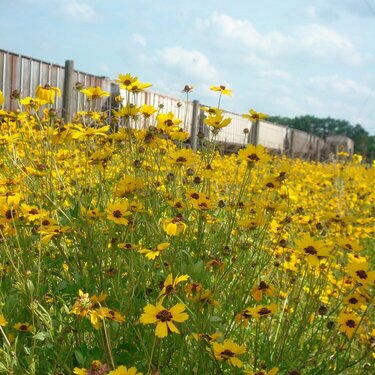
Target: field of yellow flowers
<point>124,252</point>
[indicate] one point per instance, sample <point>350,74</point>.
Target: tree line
<point>364,143</point>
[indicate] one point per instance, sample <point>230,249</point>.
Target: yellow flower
<point>94,93</point>
<point>3,322</point>
<point>79,371</point>
<point>174,227</point>
<point>261,289</point>
<point>222,89</point>
<point>2,99</point>
<point>254,116</point>
<point>116,212</point>
<point>217,120</point>
<point>125,80</point>
<point>122,370</point>
<point>152,253</point>
<point>164,318</point>
<point>147,110</point>
<point>228,352</point>
<point>262,311</point>
<point>273,371</point>
<point>81,133</point>
<point>312,250</point>
<point>127,185</point>
<point>47,93</point>
<point>181,157</point>
<point>137,87</point>
<point>169,285</point>
<point>360,272</point>
<point>24,327</point>
<point>349,324</point>
<point>254,154</point>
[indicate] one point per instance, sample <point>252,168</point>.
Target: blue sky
<point>287,58</point>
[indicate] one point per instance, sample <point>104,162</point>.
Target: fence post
<point>194,125</point>
<point>253,136</point>
<point>67,105</point>
<point>291,151</point>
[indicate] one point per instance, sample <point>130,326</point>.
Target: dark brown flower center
<point>117,214</point>
<point>263,286</point>
<point>164,316</point>
<point>361,274</point>
<point>353,300</point>
<point>253,157</point>
<point>310,250</point>
<point>264,311</point>
<point>34,211</point>
<point>227,353</point>
<point>23,327</point>
<point>181,159</point>
<point>169,289</point>
<point>350,323</point>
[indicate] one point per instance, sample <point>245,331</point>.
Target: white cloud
<point>274,74</point>
<point>340,86</point>
<point>314,41</point>
<point>190,62</point>
<point>79,11</point>
<point>232,30</point>
<point>139,39</point>
<point>324,43</point>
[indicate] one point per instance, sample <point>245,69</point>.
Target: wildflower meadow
<point>123,251</point>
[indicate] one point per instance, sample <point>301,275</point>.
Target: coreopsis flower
<point>81,133</point>
<point>188,88</point>
<point>261,289</point>
<point>2,99</point>
<point>127,111</point>
<point>31,103</point>
<point>349,324</point>
<point>273,371</point>
<point>117,212</point>
<point>122,370</point>
<point>244,317</point>
<point>349,244</point>
<point>183,157</point>
<point>24,327</point>
<point>79,371</point>
<point>165,121</point>
<point>228,351</point>
<point>254,154</point>
<point>127,185</point>
<point>169,285</point>
<point>203,203</point>
<point>47,93</point>
<point>32,212</point>
<point>97,368</point>
<point>262,311</point>
<point>152,253</point>
<point>137,87</point>
<point>254,116</point>
<point>105,312</point>
<point>3,321</point>
<point>147,110</point>
<point>217,120</point>
<point>164,318</point>
<point>355,300</point>
<point>125,80</point>
<point>311,250</point>
<point>94,93</point>
<point>361,274</point>
<point>223,90</point>
<point>174,226</point>
<point>206,337</point>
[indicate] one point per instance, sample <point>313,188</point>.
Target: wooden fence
<point>22,73</point>
<point>25,74</point>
